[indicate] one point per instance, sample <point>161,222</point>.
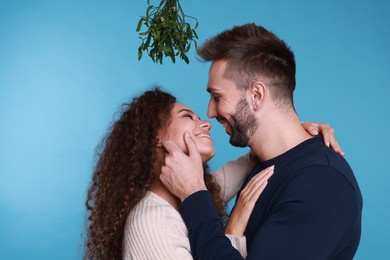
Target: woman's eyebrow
<point>189,111</point>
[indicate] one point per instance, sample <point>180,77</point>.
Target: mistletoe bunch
<point>168,33</point>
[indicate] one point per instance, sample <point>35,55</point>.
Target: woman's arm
<point>246,202</point>
<point>232,175</point>
<point>243,209</point>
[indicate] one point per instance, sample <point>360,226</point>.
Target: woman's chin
<point>207,156</point>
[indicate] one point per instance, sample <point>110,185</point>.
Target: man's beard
<point>243,124</point>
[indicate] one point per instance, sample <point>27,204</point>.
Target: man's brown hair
<point>254,53</point>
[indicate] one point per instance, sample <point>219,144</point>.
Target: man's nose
<point>211,111</point>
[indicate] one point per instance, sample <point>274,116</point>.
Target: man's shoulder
<point>316,157</point>
<point>328,164</point>
<point>321,184</point>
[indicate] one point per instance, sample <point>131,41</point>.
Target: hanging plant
<point>168,33</point>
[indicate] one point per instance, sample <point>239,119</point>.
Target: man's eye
<point>216,97</point>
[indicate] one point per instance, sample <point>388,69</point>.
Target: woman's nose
<point>205,124</point>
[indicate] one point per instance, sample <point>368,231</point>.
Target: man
<point>311,207</point>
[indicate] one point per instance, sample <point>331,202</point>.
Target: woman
<point>130,211</point>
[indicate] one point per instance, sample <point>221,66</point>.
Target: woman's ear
<point>258,93</point>
<point>159,142</point>
<point>161,138</point>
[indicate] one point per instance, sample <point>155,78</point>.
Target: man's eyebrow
<point>211,90</point>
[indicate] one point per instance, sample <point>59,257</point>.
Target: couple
<point>310,208</point>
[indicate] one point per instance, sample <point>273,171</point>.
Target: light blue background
<point>66,66</point>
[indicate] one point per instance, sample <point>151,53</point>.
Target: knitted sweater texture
<point>156,230</point>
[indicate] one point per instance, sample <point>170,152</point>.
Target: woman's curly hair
<point>127,166</point>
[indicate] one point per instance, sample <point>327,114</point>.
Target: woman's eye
<point>188,115</point>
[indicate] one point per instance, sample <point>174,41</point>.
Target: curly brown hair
<point>128,164</point>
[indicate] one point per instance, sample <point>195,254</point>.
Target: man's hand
<point>181,174</point>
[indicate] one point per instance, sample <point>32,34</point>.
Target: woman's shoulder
<point>153,211</point>
<point>156,225</point>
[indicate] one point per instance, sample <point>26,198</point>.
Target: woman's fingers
<point>329,137</point>
<point>246,202</point>
<point>256,185</point>
<point>327,133</point>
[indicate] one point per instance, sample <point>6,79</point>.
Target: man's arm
<point>206,235</point>
<point>183,176</point>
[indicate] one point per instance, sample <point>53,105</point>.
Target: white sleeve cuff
<point>238,243</point>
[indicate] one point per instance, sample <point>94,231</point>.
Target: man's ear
<point>258,92</point>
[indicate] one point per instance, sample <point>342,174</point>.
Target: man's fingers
<point>170,146</point>
<point>191,146</point>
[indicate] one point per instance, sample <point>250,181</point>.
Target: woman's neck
<point>163,192</point>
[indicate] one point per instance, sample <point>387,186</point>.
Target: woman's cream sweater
<point>155,230</point>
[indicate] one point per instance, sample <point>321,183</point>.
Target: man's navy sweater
<point>310,209</point>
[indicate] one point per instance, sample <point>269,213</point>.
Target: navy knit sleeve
<point>206,235</point>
